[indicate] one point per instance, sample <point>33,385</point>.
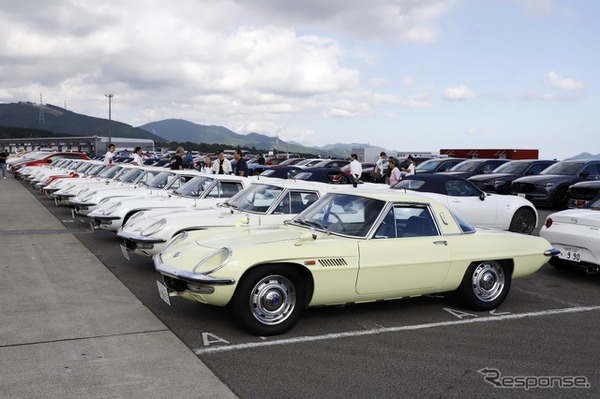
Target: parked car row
<point>269,248</point>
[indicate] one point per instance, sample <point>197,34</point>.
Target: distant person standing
<point>207,166</point>
<point>409,169</point>
<point>188,159</point>
<point>261,159</point>
<point>380,170</point>
<point>3,157</point>
<point>355,167</point>
<point>395,175</point>
<point>176,162</point>
<point>241,166</point>
<point>108,157</point>
<point>221,165</point>
<point>125,153</point>
<point>137,156</point>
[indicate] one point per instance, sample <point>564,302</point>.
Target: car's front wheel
<point>523,221</point>
<point>485,285</point>
<point>269,300</point>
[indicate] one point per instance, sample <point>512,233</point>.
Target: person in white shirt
<point>137,156</point>
<point>221,165</point>
<point>207,166</point>
<point>410,168</point>
<point>108,157</point>
<point>355,167</point>
<point>380,169</point>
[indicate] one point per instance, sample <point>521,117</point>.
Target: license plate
<point>522,195</point>
<point>125,251</point>
<point>570,253</point>
<point>163,292</point>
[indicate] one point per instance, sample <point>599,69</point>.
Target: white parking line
<point>486,319</point>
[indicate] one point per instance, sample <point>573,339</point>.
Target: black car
<point>280,171</point>
<point>550,187</point>
<point>582,193</point>
<point>326,175</point>
<point>499,180</point>
<point>475,166</point>
<point>435,165</point>
<point>331,163</point>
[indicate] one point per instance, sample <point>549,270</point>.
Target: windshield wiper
<point>313,223</point>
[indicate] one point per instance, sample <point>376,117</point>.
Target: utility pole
<point>110,97</point>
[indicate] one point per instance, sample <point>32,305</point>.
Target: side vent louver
<point>332,262</point>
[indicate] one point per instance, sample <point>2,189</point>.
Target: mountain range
<point>60,121</point>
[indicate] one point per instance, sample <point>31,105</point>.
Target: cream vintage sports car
<point>347,247</point>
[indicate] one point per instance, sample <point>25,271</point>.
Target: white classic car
<point>94,172</point>
<point>348,247</point>
<point>265,203</point>
<point>131,177</point>
<point>160,185</point>
<point>202,192</point>
<point>576,233</point>
<point>505,212</point>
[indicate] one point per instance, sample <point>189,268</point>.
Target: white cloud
<point>459,93</point>
<point>555,80</point>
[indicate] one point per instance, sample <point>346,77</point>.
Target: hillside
<point>64,122</point>
<point>181,131</point>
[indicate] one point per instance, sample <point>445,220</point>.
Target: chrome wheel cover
<point>272,300</point>
<point>488,281</point>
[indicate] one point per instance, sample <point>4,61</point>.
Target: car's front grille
<point>522,187</point>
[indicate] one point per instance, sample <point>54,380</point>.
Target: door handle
<point>441,242</point>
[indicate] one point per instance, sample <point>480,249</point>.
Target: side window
<point>284,206</point>
<point>407,221</point>
<point>459,188</point>
<point>591,172</point>
<point>535,169</point>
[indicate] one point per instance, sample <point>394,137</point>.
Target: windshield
<point>430,165</point>
<point>278,172</point>
<point>562,168</point>
<point>467,166</point>
<point>112,172</point>
<point>516,168</point>
<point>160,180</point>
<point>595,205</point>
<point>96,169</point>
<point>343,214</point>
<point>195,187</point>
<point>256,198</point>
<point>131,176</point>
<point>38,155</point>
<point>409,184</point>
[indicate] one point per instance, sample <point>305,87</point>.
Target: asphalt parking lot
<point>542,342</point>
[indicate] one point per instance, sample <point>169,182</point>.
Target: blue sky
<point>408,75</point>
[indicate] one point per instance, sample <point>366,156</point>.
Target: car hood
<point>493,176</point>
<point>540,179</point>
<point>583,217</point>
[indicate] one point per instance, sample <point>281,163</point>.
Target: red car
<point>44,158</point>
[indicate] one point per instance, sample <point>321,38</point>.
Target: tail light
<point>548,223</point>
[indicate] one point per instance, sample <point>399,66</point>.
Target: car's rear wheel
<point>560,198</point>
<point>523,221</point>
<point>485,285</point>
<point>269,300</point>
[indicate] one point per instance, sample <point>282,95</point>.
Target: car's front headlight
<point>154,227</point>
<point>176,240</point>
<point>88,196</point>
<point>111,208</point>
<point>213,262</point>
